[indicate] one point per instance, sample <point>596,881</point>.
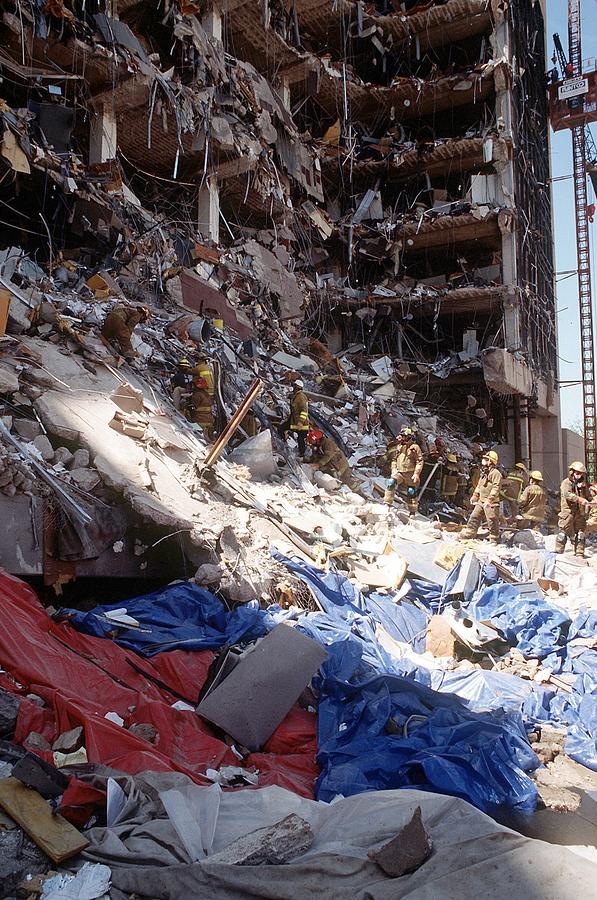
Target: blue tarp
<point>482,757</point>
<point>535,627</point>
<point>471,742</point>
<point>179,616</point>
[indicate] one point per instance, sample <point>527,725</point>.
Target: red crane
<point>579,127</point>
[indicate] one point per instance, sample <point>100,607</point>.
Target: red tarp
<point>82,678</point>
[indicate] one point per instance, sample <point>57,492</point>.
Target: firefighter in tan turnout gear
<point>298,420</point>
<point>406,471</point>
<point>574,510</point>
<point>486,499</point>
<point>532,504</point>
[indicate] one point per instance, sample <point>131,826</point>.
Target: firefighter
<point>512,487</point>
<point>574,510</point>
<point>205,371</point>
<point>592,519</point>
<point>199,408</point>
<point>328,458</point>
<point>181,382</point>
<point>486,499</point>
<point>118,327</point>
<point>298,420</point>
<point>475,467</point>
<point>532,504</point>
<point>450,479</point>
<point>406,471</point>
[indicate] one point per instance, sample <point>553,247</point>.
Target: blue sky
<point>563,200</point>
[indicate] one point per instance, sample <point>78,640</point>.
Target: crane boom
<point>579,156</point>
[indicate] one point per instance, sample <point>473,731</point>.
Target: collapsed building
<point>353,194</point>
<point>395,160</point>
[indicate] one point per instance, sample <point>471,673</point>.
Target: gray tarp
<point>473,856</point>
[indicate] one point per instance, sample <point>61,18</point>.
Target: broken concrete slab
<point>127,398</point>
<point>256,454</point>
<point>63,455</point>
<point>28,429</point>
<point>405,852</point>
<point>86,479</point>
<point>9,383</point>
<point>273,846</point>
<point>251,701</point>
<point>69,741</point>
<point>44,446</point>
<point>34,772</point>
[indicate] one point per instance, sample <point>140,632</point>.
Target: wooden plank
<point>52,833</point>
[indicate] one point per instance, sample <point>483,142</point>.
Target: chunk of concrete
<point>256,454</point>
<point>440,640</point>
<point>272,846</point>
<point>208,573</point>
<point>63,455</point>
<point>69,741</point>
<point>405,852</point>
<point>145,731</point>
<point>80,459</point>
<point>128,398</point>
<point>86,479</point>
<point>28,429</point>
<point>35,741</point>
<point>9,383</point>
<point>44,446</point>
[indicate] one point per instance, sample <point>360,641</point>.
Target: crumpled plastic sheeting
<point>578,711</point>
<point>456,750</point>
<point>81,678</point>
<point>179,616</point>
<point>534,626</point>
<point>481,757</point>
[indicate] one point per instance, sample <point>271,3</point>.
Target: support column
<point>103,137</point>
<point>208,209</point>
<point>208,206</point>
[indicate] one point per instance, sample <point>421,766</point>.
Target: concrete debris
<point>279,290</point>
<point>273,846</point>
<point>69,741</point>
<point>405,852</point>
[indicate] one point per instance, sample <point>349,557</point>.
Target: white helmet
<point>299,384</point>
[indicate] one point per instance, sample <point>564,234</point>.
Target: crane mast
<point>579,155</point>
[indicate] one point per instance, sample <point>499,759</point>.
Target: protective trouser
<point>406,487</point>
<point>573,527</point>
<point>484,512</point>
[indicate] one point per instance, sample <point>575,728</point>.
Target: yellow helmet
<point>578,467</point>
<point>452,457</point>
<point>536,475</point>
<point>492,456</point>
<point>520,465</point>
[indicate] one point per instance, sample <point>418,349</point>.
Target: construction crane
<point>572,68</point>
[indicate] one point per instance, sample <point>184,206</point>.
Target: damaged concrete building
<point>357,181</point>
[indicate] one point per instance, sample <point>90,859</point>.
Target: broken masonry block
<point>271,846</point>
<point>34,772</point>
<point>405,852</point>
<point>69,740</point>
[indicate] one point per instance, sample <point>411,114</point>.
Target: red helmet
<point>201,383</point>
<point>314,436</point>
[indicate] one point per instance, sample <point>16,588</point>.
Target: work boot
<point>388,497</point>
<point>560,542</point>
<point>579,548</point>
<point>468,532</point>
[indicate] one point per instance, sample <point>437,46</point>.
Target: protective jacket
<point>299,412</point>
<point>488,486</point>
<point>330,457</point>
<point>533,503</point>
<point>408,462</point>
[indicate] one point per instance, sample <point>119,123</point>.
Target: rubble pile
<point>216,210</point>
